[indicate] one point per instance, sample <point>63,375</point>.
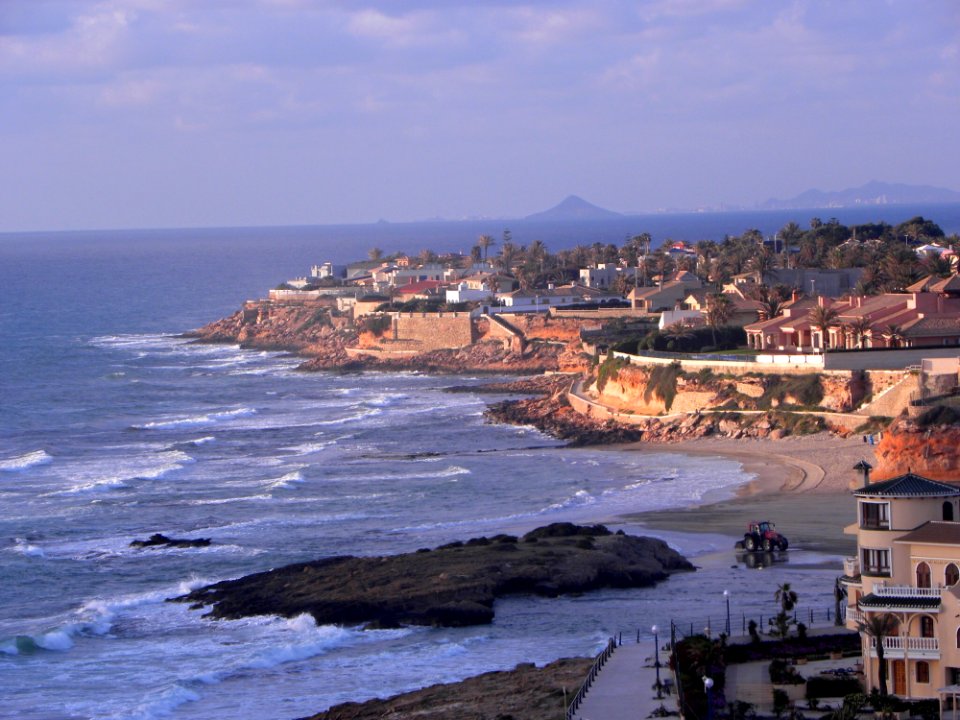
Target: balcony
<point>916,648</point>
<point>851,567</point>
<point>854,615</point>
<point>906,591</point>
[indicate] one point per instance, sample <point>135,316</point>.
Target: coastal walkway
<point>624,690</point>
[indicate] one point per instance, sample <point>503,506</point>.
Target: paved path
<point>622,690</point>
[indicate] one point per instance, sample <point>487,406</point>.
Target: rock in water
<point>453,585</point>
<point>160,540</point>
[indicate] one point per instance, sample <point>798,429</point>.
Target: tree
<point>877,627</point>
<point>719,309</point>
<point>678,333</point>
<point>762,262</point>
<point>375,253</point>
<point>824,317</point>
<point>893,335</point>
<point>787,599</point>
<point>859,328</point>
<point>485,241</point>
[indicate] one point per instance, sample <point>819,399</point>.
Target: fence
<point>591,676</point>
<point>728,625</point>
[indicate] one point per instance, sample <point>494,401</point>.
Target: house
<point>914,319</point>
<point>832,283</point>
<point>542,299</point>
<point>602,275</point>
<point>908,566</point>
<point>743,310</point>
<point>479,287</point>
<point>665,297</point>
<point>422,290</point>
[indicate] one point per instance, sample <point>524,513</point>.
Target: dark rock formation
<point>527,692</point>
<point>453,585</point>
<point>160,540</point>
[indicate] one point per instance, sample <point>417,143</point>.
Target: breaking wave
<point>22,462</point>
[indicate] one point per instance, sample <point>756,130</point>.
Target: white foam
<point>25,548</point>
<point>22,462</point>
<point>285,481</point>
<point>206,419</point>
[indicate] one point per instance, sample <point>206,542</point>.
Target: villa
<point>908,566</point>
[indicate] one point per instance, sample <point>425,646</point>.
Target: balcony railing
<point>851,567</point>
<point>910,644</point>
<point>906,591</point>
<point>854,614</point>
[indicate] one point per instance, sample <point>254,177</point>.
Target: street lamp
<point>726,596</point>
<point>656,661</point>
<point>708,686</point>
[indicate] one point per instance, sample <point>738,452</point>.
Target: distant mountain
<point>873,193</point>
<point>574,208</point>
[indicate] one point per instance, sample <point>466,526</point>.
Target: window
<point>923,575</point>
<point>923,672</point>
<point>875,516</point>
<point>952,575</point>
<point>875,562</point>
<point>948,511</point>
<point>926,627</point>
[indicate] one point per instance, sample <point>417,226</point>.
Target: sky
<point>190,113</point>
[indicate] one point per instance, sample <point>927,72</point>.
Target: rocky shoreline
<point>451,586</point>
<point>526,692</point>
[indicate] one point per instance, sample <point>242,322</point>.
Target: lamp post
<point>708,686</point>
<point>656,661</point>
<point>726,596</point>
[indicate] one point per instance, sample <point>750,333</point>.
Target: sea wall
<point>433,331</point>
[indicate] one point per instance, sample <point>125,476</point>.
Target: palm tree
<point>824,317</point>
<point>762,263</point>
<point>878,627</point>
<point>859,328</point>
<point>678,333</point>
<point>893,335</point>
<point>375,253</point>
<point>719,309</point>
<point>485,241</point>
<point>786,596</point>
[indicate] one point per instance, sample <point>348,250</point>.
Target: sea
<point>112,428</point>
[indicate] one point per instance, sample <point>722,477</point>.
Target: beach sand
<point>803,484</point>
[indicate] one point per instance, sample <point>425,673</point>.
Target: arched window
<point>923,575</point>
<point>948,511</point>
<point>923,672</point>
<point>952,575</point>
<point>926,627</point>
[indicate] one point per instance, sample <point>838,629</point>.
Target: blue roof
<point>908,485</point>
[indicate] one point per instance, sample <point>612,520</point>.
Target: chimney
<point>794,295</point>
<point>864,467</point>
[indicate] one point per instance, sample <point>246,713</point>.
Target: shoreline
<point>802,483</point>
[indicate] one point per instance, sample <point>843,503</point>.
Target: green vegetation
<point>662,384</point>
<point>796,424</point>
<point>939,415</point>
<point>609,369</point>
<point>821,686</point>
<point>679,338</point>
<point>806,389</point>
<point>874,424</point>
<point>319,317</point>
<point>377,325</point>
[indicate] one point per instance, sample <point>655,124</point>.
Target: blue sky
<point>168,113</point>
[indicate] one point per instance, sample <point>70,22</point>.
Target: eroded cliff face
<point>907,446</point>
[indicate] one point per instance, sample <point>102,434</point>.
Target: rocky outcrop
<point>526,692</point>
<point>160,540</point>
<point>454,585</point>
<point>931,449</point>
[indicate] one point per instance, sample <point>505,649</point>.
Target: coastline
<point>802,483</point>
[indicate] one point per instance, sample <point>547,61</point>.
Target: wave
<point>93,619</point>
<point>25,548</point>
<point>206,419</point>
<point>146,467</point>
<point>285,481</point>
<point>28,460</point>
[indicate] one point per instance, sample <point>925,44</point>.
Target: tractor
<point>763,535</point>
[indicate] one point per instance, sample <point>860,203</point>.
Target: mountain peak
<point>574,207</point>
<point>874,192</point>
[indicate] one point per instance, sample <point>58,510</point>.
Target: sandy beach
<point>802,483</point>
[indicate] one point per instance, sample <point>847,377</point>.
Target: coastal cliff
<point>926,445</point>
<point>328,341</point>
<point>453,585</point>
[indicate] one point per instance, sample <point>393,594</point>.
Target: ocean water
<point>113,429</point>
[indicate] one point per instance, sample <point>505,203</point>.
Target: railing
<point>854,614</point>
<point>901,643</point>
<point>591,676</point>
<point>851,567</point>
<point>906,591</point>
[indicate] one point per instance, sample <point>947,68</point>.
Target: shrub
<point>831,687</point>
<point>939,415</point>
<point>781,701</point>
<point>377,325</point>
<point>663,384</point>
<point>783,673</point>
<point>609,369</point>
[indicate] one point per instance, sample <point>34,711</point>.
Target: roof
<point>424,286</point>
<point>919,602</point>
<point>932,283</point>
<point>933,533</point>
<point>908,485</point>
<point>933,326</point>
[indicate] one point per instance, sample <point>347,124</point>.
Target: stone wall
<point>434,331</point>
